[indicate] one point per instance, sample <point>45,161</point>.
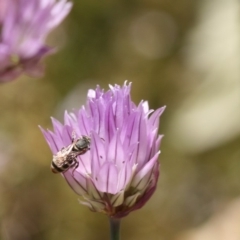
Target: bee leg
<point>75,165</point>
<point>73,136</point>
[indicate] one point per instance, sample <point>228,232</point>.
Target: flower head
<point>120,171</point>
<point>24,26</point>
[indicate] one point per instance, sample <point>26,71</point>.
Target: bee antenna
<point>73,135</point>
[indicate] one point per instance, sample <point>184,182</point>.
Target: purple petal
<point>69,119</point>
<point>49,140</point>
<point>76,182</point>
<point>157,143</point>
<point>84,122</point>
<point>125,175</point>
<point>101,110</point>
<point>84,161</point>
<point>59,11</point>
<point>58,141</point>
<point>144,171</point>
<point>67,133</point>
<point>110,126</point>
<point>133,131</point>
<point>143,142</point>
<point>118,109</point>
<point>125,132</point>
<point>154,118</point>
<point>115,151</point>
<point>107,178</point>
<point>98,153</point>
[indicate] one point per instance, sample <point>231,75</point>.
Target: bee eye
<point>65,166</point>
<point>70,161</point>
<point>80,144</point>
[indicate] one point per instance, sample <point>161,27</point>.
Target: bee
<point>67,156</point>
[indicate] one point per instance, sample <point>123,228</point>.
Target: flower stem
<point>114,229</point>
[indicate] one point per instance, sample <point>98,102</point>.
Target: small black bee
<point>67,156</point>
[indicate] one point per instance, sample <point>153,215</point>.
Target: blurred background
<point>183,54</point>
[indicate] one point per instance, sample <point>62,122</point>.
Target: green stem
<point>114,228</point>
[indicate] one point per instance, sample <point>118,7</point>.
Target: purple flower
<point>24,26</point>
<point>120,171</point>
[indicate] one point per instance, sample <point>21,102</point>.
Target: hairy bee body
<point>67,156</point>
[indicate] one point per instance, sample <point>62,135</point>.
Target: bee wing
<point>68,149</point>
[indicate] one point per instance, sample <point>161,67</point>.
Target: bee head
<point>82,143</point>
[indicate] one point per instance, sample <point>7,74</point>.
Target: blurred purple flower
<point>120,171</point>
<point>24,26</point>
